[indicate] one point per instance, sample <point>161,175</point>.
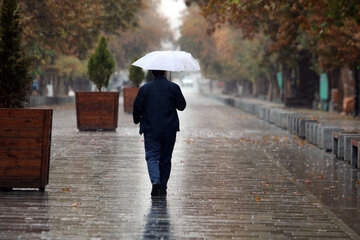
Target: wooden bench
<point>355,158</point>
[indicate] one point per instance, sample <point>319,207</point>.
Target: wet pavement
<point>233,177</point>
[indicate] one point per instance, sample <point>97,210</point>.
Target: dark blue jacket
<point>155,106</point>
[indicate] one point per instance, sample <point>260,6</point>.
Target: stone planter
<point>97,110</point>
<point>129,98</point>
<point>25,141</point>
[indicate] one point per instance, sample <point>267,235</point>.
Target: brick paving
<point>225,184</point>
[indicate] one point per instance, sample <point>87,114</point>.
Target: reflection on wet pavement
<point>157,221</point>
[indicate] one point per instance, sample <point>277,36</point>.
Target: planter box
<point>129,98</point>
<point>97,110</point>
<point>25,141</point>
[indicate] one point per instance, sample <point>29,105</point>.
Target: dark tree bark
<point>356,92</point>
<point>287,82</point>
<point>309,79</point>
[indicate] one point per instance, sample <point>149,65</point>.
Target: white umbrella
<point>174,61</point>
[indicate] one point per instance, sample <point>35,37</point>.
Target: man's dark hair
<point>158,73</point>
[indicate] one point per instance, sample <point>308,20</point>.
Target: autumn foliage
<point>305,38</point>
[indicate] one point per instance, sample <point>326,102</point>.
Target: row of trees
<point>59,36</point>
<point>301,39</point>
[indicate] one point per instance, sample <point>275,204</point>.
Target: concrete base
<point>325,136</point>
<point>309,130</point>
<point>347,146</point>
<point>302,127</point>
<point>338,148</point>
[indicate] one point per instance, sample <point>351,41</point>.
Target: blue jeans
<point>159,148</point>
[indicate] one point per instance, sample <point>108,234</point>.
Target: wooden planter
<point>129,98</point>
<point>97,110</point>
<point>25,141</point>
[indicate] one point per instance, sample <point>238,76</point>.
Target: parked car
<point>187,82</point>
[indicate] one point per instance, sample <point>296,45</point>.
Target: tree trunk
<point>356,91</point>
<point>346,89</point>
<point>230,87</point>
<point>273,89</point>
<point>59,86</point>
<point>269,93</point>
<point>309,79</point>
<point>334,79</point>
<point>287,82</point>
<point>247,91</point>
<point>42,86</point>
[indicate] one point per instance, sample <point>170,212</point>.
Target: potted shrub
<point>98,110</point>
<point>25,134</point>
<point>136,76</point>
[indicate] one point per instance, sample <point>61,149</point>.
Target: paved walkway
<point>227,182</point>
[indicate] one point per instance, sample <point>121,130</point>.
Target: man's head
<point>158,73</point>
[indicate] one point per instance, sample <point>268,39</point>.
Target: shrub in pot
<point>98,110</point>
<point>25,134</point>
<point>136,76</point>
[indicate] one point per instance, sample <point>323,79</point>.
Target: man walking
<point>155,108</point>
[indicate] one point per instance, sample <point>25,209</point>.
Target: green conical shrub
<point>101,65</point>
<point>136,74</point>
<point>15,80</point>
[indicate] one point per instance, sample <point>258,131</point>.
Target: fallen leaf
<point>257,199</point>
<point>275,138</point>
<point>357,182</point>
<point>65,189</point>
<point>300,142</point>
<point>75,204</point>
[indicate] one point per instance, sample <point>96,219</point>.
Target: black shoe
<point>155,189</point>
<point>163,192</point>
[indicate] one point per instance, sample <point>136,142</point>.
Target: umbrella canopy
<point>173,61</point>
